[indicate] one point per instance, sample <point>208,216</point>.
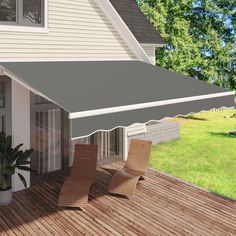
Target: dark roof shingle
<point>137,22</point>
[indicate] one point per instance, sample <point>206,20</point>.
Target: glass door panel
<point>116,142</point>
<point>47,156</point>
<point>46,136</point>
<point>110,145</point>
<point>5,105</point>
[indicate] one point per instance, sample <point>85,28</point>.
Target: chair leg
<point>123,185</point>
<point>141,178</point>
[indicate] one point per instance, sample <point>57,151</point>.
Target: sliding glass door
<point>110,145</point>
<point>50,139</point>
<point>5,105</point>
<point>46,135</point>
<point>47,141</point>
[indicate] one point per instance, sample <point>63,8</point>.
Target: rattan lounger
<point>124,181</point>
<point>75,190</point>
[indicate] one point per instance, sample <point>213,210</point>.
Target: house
<point>72,67</point>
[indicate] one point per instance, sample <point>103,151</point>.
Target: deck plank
<point>162,205</point>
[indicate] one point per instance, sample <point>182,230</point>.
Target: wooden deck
<point>162,206</point>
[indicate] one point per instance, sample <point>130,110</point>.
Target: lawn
<point>204,155</point>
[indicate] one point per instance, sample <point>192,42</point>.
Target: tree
<point>7,10</point>
<point>200,36</point>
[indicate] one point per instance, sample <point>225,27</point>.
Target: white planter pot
<point>5,197</point>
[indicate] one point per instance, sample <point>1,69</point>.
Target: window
<point>22,12</point>
<point>8,11</point>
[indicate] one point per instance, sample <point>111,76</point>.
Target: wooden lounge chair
<point>124,181</point>
<point>74,192</point>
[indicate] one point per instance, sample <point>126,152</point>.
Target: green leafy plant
<point>12,159</point>
<point>199,35</point>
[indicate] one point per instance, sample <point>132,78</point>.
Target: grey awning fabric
<point>107,94</point>
<point>109,121</point>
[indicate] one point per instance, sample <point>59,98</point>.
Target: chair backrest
<point>85,161</point>
<point>139,155</point>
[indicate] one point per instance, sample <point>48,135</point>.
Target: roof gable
<point>138,24</point>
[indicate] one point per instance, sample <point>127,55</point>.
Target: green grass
<point>204,155</point>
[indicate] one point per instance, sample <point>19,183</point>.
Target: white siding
<point>77,29</point>
<point>150,49</point>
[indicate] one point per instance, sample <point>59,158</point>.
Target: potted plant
<point>10,160</point>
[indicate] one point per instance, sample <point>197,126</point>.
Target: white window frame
<point>19,28</point>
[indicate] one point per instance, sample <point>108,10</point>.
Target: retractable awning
<point>107,94</point>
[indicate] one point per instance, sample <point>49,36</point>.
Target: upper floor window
<point>22,12</point>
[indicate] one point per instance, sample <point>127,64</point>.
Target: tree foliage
<point>200,37</point>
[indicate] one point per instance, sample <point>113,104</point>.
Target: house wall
<point>150,50</point>
<point>77,29</point>
<point>20,126</point>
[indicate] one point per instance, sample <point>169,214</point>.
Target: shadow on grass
<point>223,197</point>
<point>192,118</point>
<point>222,134</point>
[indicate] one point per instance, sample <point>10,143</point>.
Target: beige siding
<point>77,29</point>
<point>150,50</point>
<point>136,129</point>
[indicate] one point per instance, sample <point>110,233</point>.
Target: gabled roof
<point>137,22</point>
